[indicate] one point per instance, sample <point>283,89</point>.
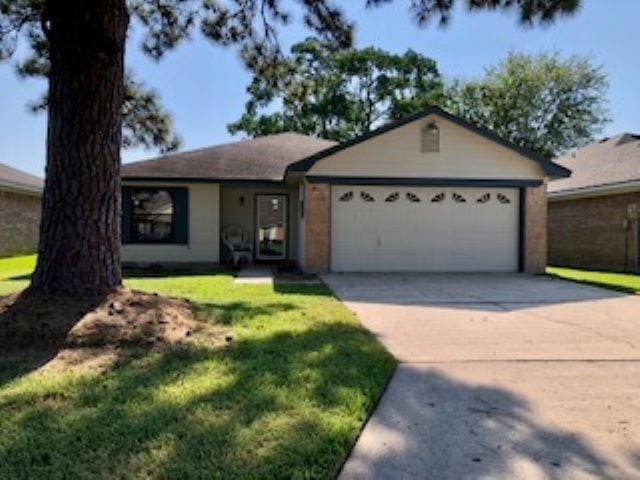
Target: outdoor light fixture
<point>241,201</point>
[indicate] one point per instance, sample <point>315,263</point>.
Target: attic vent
<point>430,138</point>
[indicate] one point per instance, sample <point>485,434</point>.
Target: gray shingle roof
<point>15,179</point>
<point>611,161</point>
<point>262,158</point>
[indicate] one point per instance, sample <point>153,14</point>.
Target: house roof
<point>14,179</point>
<point>613,161</point>
<point>258,159</point>
<point>551,168</point>
<point>269,158</point>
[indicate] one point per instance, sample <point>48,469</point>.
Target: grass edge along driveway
<point>622,282</point>
<point>285,399</point>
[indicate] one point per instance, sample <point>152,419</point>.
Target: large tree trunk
<point>79,250</point>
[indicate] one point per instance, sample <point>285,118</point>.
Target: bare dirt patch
<point>124,318</point>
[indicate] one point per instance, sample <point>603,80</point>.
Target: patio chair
<point>237,241</point>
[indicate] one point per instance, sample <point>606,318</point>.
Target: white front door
<point>271,227</point>
<point>424,229</point>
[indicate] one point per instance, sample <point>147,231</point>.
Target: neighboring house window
<point>154,215</point>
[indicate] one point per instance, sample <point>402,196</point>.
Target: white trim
<point>595,191</point>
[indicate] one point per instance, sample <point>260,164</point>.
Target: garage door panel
<point>465,229</point>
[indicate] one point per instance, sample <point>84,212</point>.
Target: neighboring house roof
<point>549,167</point>
<point>17,180</point>
<point>607,165</point>
<point>259,159</point>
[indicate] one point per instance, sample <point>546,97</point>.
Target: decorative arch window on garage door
<point>345,197</point>
<point>367,197</point>
<point>392,197</point>
<point>484,198</point>
<point>502,198</point>
<point>412,197</point>
<point>438,198</point>
<point>458,198</point>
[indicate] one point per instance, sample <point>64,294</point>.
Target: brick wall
<point>19,223</point>
<point>317,214</point>
<point>590,233</point>
<point>535,229</point>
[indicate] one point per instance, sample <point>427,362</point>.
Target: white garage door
<point>424,229</point>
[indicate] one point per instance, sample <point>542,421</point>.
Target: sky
<point>203,86</point>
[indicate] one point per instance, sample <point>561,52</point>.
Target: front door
<point>271,227</point>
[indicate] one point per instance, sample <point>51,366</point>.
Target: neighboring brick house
<point>20,195</point>
<point>593,215</point>
<point>430,192</point>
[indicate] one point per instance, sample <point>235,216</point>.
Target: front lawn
<point>625,282</point>
<point>15,273</point>
<point>283,399</point>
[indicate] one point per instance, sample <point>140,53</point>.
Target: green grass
<point>625,282</point>
<point>15,272</point>
<point>284,400</point>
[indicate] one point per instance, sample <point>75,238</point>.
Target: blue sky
<point>203,86</point>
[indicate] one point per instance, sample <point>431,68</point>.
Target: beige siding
<point>204,229</point>
<point>233,213</point>
<point>463,154</point>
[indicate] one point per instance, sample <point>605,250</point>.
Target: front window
<point>155,215</point>
<point>152,215</point>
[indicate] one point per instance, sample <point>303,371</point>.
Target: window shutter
<point>181,215</point>
<point>125,219</point>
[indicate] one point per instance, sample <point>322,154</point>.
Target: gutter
<point>595,191</point>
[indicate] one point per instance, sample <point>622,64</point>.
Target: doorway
<point>271,227</point>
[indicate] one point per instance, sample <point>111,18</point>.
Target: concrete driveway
<point>502,376</point>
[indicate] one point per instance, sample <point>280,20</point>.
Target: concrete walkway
<point>503,376</point>
<point>255,274</point>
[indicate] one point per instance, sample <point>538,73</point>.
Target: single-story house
<point>428,193</point>
<point>593,215</point>
<point>20,198</point>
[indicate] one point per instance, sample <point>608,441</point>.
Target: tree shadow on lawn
<point>281,406</point>
<point>26,276</point>
<point>291,288</point>
<point>228,313</point>
<point>34,328</point>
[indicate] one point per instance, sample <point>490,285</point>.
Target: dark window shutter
<point>125,223</point>
<point>181,215</point>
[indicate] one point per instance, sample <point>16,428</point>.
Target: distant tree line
<point>543,102</point>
